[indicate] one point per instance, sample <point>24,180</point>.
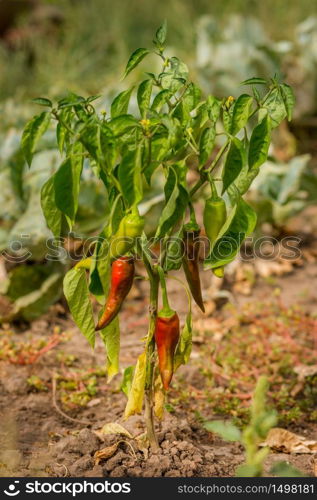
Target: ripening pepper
<point>130,227</point>
<point>166,337</point>
<point>122,274</point>
<point>191,261</point>
<point>215,215</point>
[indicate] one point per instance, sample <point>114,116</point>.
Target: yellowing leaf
<point>136,395</point>
<point>159,398</point>
<point>114,428</point>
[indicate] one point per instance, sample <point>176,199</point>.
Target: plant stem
<point>150,361</point>
<point>202,180</point>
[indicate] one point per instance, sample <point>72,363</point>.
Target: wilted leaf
<point>136,395</point>
<point>159,398</point>
<point>114,428</point>
<point>105,453</point>
<point>288,442</point>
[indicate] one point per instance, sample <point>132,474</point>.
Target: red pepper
<point>191,261</point>
<point>122,274</point>
<point>166,337</point>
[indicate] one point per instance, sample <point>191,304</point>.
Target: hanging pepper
<point>130,227</point>
<point>215,215</point>
<point>122,274</point>
<point>166,336</point>
<point>191,260</point>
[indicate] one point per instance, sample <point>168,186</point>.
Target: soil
<point>42,436</point>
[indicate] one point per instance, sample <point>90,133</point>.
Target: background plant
<point>252,437</point>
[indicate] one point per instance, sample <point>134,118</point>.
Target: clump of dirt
<point>186,450</point>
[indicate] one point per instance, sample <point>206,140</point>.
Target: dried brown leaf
<point>105,453</point>
<point>288,442</point>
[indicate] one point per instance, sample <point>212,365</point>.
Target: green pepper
<point>130,228</point>
<point>215,215</point>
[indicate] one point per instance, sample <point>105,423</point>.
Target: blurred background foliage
<point>48,47</point>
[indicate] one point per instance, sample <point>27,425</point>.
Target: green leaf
<point>121,124</point>
<point>70,100</point>
<point>61,133</point>
<point>284,469</point>
<point>144,96</point>
<point>213,108</point>
<point>77,296</point>
<point>248,470</point>
<point>177,199</point>
<point>233,164</point>
<point>127,378</point>
<point>174,251</point>
<point>32,133</point>
<point>161,33</point>
<point>130,177</point>
<point>95,285</point>
<point>245,178</point>
<point>275,106</point>
<point>136,394</point>
<point>111,338</point>
<point>93,98</point>
<point>227,246</point>
<point>120,104</point>
<point>184,346</point>
<point>260,143</point>
<point>175,77</point>
<point>160,99</point>
<point>227,430</point>
<point>90,139</point>
<point>42,101</point>
<point>288,99</point>
<point>66,184</point>
<point>206,145</point>
<point>254,81</point>
<point>240,113</point>
<point>135,59</point>
<point>51,213</point>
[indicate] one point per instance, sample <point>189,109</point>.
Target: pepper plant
<point>174,129</point>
